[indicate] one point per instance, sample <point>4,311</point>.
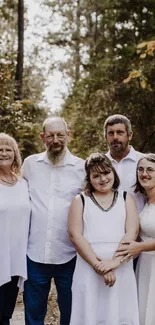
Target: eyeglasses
<point>52,136</point>
<point>148,170</point>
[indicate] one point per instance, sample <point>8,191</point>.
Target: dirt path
<point>52,312</point>
<point>18,316</point>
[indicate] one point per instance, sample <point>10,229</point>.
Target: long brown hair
<point>149,157</point>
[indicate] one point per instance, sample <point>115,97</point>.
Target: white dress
<point>145,272</point>
<point>14,228</point>
<point>93,302</point>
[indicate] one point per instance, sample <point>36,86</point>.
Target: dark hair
<point>100,163</point>
<point>150,157</point>
<point>115,119</point>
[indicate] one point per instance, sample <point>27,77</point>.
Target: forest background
<point>108,64</point>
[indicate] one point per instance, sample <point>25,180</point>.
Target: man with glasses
<point>54,178</point>
<point>118,134</point>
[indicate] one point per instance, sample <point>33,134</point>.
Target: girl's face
<point>146,174</point>
<point>102,181</point>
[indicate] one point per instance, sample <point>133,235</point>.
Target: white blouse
<point>147,222</point>
<point>14,229</point>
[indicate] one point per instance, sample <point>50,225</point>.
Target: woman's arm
<point>75,228</point>
<point>132,219</point>
<point>131,226</point>
<point>147,246</point>
<point>133,248</point>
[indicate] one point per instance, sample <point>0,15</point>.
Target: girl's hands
<point>109,278</point>
<point>104,266</point>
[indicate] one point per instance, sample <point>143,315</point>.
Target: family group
<point>88,225</point>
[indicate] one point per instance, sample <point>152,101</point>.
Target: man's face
<point>117,137</point>
<point>55,138</point>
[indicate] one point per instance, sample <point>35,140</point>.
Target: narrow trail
<point>52,317</point>
<point>18,315</point>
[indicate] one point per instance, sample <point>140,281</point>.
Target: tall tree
<point>20,51</point>
<point>116,28</point>
<point>20,118</point>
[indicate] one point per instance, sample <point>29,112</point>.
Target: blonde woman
<point>14,226</point>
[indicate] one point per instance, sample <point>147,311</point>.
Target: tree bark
<point>20,51</point>
<point>77,44</point>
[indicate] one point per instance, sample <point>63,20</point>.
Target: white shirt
<point>14,228</point>
<point>126,170</point>
<point>52,189</point>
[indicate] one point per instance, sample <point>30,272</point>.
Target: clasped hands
<point>105,268</point>
<point>127,250</point>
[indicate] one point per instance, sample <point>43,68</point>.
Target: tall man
<point>118,134</point>
<point>54,178</point>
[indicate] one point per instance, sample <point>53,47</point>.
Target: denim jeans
<point>37,289</point>
<point>8,296</point>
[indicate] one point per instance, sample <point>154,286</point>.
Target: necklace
<point>12,182</point>
<point>102,202</point>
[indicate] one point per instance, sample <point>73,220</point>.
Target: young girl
<point>104,290</point>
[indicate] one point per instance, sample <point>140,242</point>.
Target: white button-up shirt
<point>126,170</point>
<point>52,189</point>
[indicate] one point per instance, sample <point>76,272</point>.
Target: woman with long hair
<point>145,271</point>
<point>14,226</point>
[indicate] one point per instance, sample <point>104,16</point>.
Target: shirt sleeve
<point>24,170</point>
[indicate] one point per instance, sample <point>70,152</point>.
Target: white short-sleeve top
<point>14,228</point>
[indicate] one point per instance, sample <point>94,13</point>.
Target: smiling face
<point>102,181</point>
<point>146,174</point>
<point>7,156</point>
<point>117,138</point>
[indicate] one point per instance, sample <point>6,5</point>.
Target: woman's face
<point>102,181</point>
<point>6,156</point>
<point>146,174</point>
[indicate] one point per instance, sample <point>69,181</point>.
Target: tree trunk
<point>77,44</point>
<point>20,52</point>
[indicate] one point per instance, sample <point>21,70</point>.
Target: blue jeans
<point>37,289</point>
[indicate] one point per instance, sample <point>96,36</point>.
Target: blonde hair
<point>6,139</point>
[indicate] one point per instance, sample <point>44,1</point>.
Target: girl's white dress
<point>93,302</point>
<point>14,229</point>
<point>145,272</point>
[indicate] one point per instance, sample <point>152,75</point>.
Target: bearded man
<point>118,134</point>
<point>54,177</point>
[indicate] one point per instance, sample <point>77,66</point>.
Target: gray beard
<point>57,157</point>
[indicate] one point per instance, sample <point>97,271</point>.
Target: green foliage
<point>21,119</point>
<point>116,28</point>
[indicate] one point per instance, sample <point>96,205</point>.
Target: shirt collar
<point>131,155</point>
<point>68,159</point>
